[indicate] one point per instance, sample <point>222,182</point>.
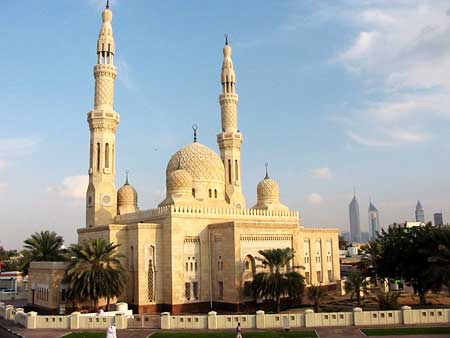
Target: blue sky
<point>333,94</point>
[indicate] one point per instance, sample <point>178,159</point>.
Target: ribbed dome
<point>202,163</point>
<point>127,196</point>
<point>268,189</point>
<point>179,180</point>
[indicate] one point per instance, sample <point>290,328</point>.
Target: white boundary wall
<point>213,321</point>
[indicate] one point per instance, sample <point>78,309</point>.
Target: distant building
<point>355,224</point>
<point>365,237</point>
<point>346,236</point>
<point>374,221</point>
<point>420,214</point>
<point>438,219</point>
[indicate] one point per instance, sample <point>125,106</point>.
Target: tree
<point>356,283</point>
<point>404,256</point>
<point>342,243</point>
<point>370,254</point>
<point>95,272</point>
<point>439,256</point>
<point>279,278</point>
<point>42,246</point>
<point>316,294</point>
<point>387,300</point>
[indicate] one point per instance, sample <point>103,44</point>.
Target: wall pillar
<point>309,318</point>
<point>260,319</point>
<point>74,320</point>
<point>121,321</point>
<point>31,320</point>
<point>9,312</point>
<point>407,317</point>
<point>357,316</point>
<point>165,320</point>
<point>212,320</point>
<point>18,311</point>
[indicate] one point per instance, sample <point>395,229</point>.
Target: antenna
<point>126,180</point>
<point>107,4</point>
<point>226,39</point>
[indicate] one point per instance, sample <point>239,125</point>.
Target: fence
<point>5,296</point>
<point>213,321</point>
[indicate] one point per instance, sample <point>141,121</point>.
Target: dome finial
<point>267,171</point>
<point>126,179</point>
<point>226,39</point>
<point>195,128</point>
<point>107,4</point>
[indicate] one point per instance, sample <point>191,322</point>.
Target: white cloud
<point>18,145</point>
<point>401,50</point>
<point>73,187</point>
<point>360,47</point>
<point>315,198</point>
<point>389,137</point>
<point>322,173</point>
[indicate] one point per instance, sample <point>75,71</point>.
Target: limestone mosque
<point>196,250</point>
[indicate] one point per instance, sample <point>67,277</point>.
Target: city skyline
<point>166,83</point>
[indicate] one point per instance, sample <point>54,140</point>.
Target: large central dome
<point>201,162</point>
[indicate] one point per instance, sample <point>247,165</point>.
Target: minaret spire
<point>101,206</point>
<point>230,140</point>
<point>267,171</point>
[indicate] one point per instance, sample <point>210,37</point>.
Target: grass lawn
<point>246,334</point>
<point>204,334</point>
<point>86,335</point>
<point>406,330</point>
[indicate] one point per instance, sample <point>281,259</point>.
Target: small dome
<point>179,180</point>
<point>127,195</point>
<point>201,162</point>
<point>268,189</point>
<point>107,15</point>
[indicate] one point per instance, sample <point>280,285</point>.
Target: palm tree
<point>279,278</point>
<point>42,246</point>
<point>356,283</point>
<point>370,254</point>
<point>95,272</point>
<point>316,294</point>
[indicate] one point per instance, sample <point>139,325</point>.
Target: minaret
<point>230,139</point>
<point>101,197</point>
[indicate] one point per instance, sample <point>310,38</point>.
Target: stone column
<point>18,312</point>
<point>165,320</point>
<point>310,318</point>
<point>407,317</point>
<point>212,320</point>
<point>260,319</point>
<point>32,320</point>
<point>74,320</point>
<point>121,321</point>
<point>357,316</point>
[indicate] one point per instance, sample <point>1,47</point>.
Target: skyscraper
<point>438,219</point>
<point>374,221</point>
<point>355,225</point>
<point>420,215</point>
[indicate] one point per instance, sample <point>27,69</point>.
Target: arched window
<point>107,155</point>
<point>229,171</point>
<point>98,156</point>
<point>195,264</point>
<point>187,266</point>
<point>193,192</point>
<point>236,170</point>
<point>210,193</point>
<point>192,266</point>
<point>215,193</point>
